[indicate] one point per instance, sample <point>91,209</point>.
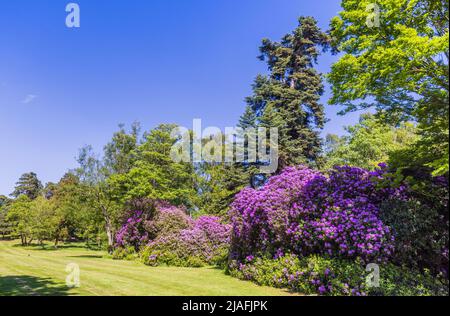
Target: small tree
<point>5,226</point>
<point>46,220</point>
<point>19,214</point>
<point>93,175</point>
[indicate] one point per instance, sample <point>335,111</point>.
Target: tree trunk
<point>109,234</point>
<point>109,229</point>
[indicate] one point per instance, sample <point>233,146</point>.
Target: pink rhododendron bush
<point>167,235</point>
<point>206,241</point>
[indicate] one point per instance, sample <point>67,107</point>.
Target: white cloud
<point>29,98</point>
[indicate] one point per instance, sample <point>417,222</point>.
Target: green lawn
<point>37,271</point>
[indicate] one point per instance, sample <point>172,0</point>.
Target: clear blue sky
<point>152,61</point>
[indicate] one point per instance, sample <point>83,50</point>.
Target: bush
<point>303,212</point>
<point>165,257</point>
<point>168,220</point>
<point>127,253</point>
<point>141,226</point>
<point>133,233</point>
<point>421,234</point>
<point>166,235</point>
<point>205,243</point>
<point>324,276</point>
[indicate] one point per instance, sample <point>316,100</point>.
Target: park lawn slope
<point>41,271</point>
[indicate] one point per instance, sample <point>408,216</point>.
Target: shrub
<point>124,253</point>
<point>166,235</point>
<point>324,276</point>
<point>206,242</point>
<point>155,220</point>
<point>303,212</point>
<point>133,232</point>
<point>168,220</point>
<point>421,234</point>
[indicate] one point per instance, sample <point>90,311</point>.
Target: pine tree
<point>28,185</point>
<point>289,97</point>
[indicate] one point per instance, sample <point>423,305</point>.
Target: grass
<point>41,271</point>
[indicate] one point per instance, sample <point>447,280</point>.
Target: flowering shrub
<point>214,230</point>
<point>133,232</point>
<point>319,275</point>
<point>206,242</point>
<point>303,212</point>
<point>165,234</point>
<point>168,220</point>
<point>143,226</point>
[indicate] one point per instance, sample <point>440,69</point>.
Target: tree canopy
<point>368,143</point>
<point>397,63</point>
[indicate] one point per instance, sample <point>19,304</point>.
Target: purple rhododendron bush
<point>167,235</point>
<point>303,213</point>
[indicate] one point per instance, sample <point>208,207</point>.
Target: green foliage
<point>3,200</point>
<point>219,184</point>
<point>45,219</point>
<point>28,185</point>
<point>169,257</point>
<point>125,253</point>
<point>324,276</point>
<point>19,214</point>
<point>37,219</point>
<point>6,227</point>
<point>154,174</point>
<point>97,192</point>
<point>80,219</point>
<point>169,254</point>
<point>368,143</point>
<point>120,151</point>
<point>421,234</point>
<point>400,67</point>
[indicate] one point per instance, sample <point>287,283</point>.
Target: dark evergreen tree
<point>28,185</point>
<point>289,97</point>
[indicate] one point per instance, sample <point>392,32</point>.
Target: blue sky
<point>152,61</point>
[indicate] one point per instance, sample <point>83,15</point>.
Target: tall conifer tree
<point>289,97</point>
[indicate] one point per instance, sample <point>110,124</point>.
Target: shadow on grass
<point>24,285</point>
<point>87,256</point>
<point>49,247</point>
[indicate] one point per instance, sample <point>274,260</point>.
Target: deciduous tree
<point>399,66</point>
